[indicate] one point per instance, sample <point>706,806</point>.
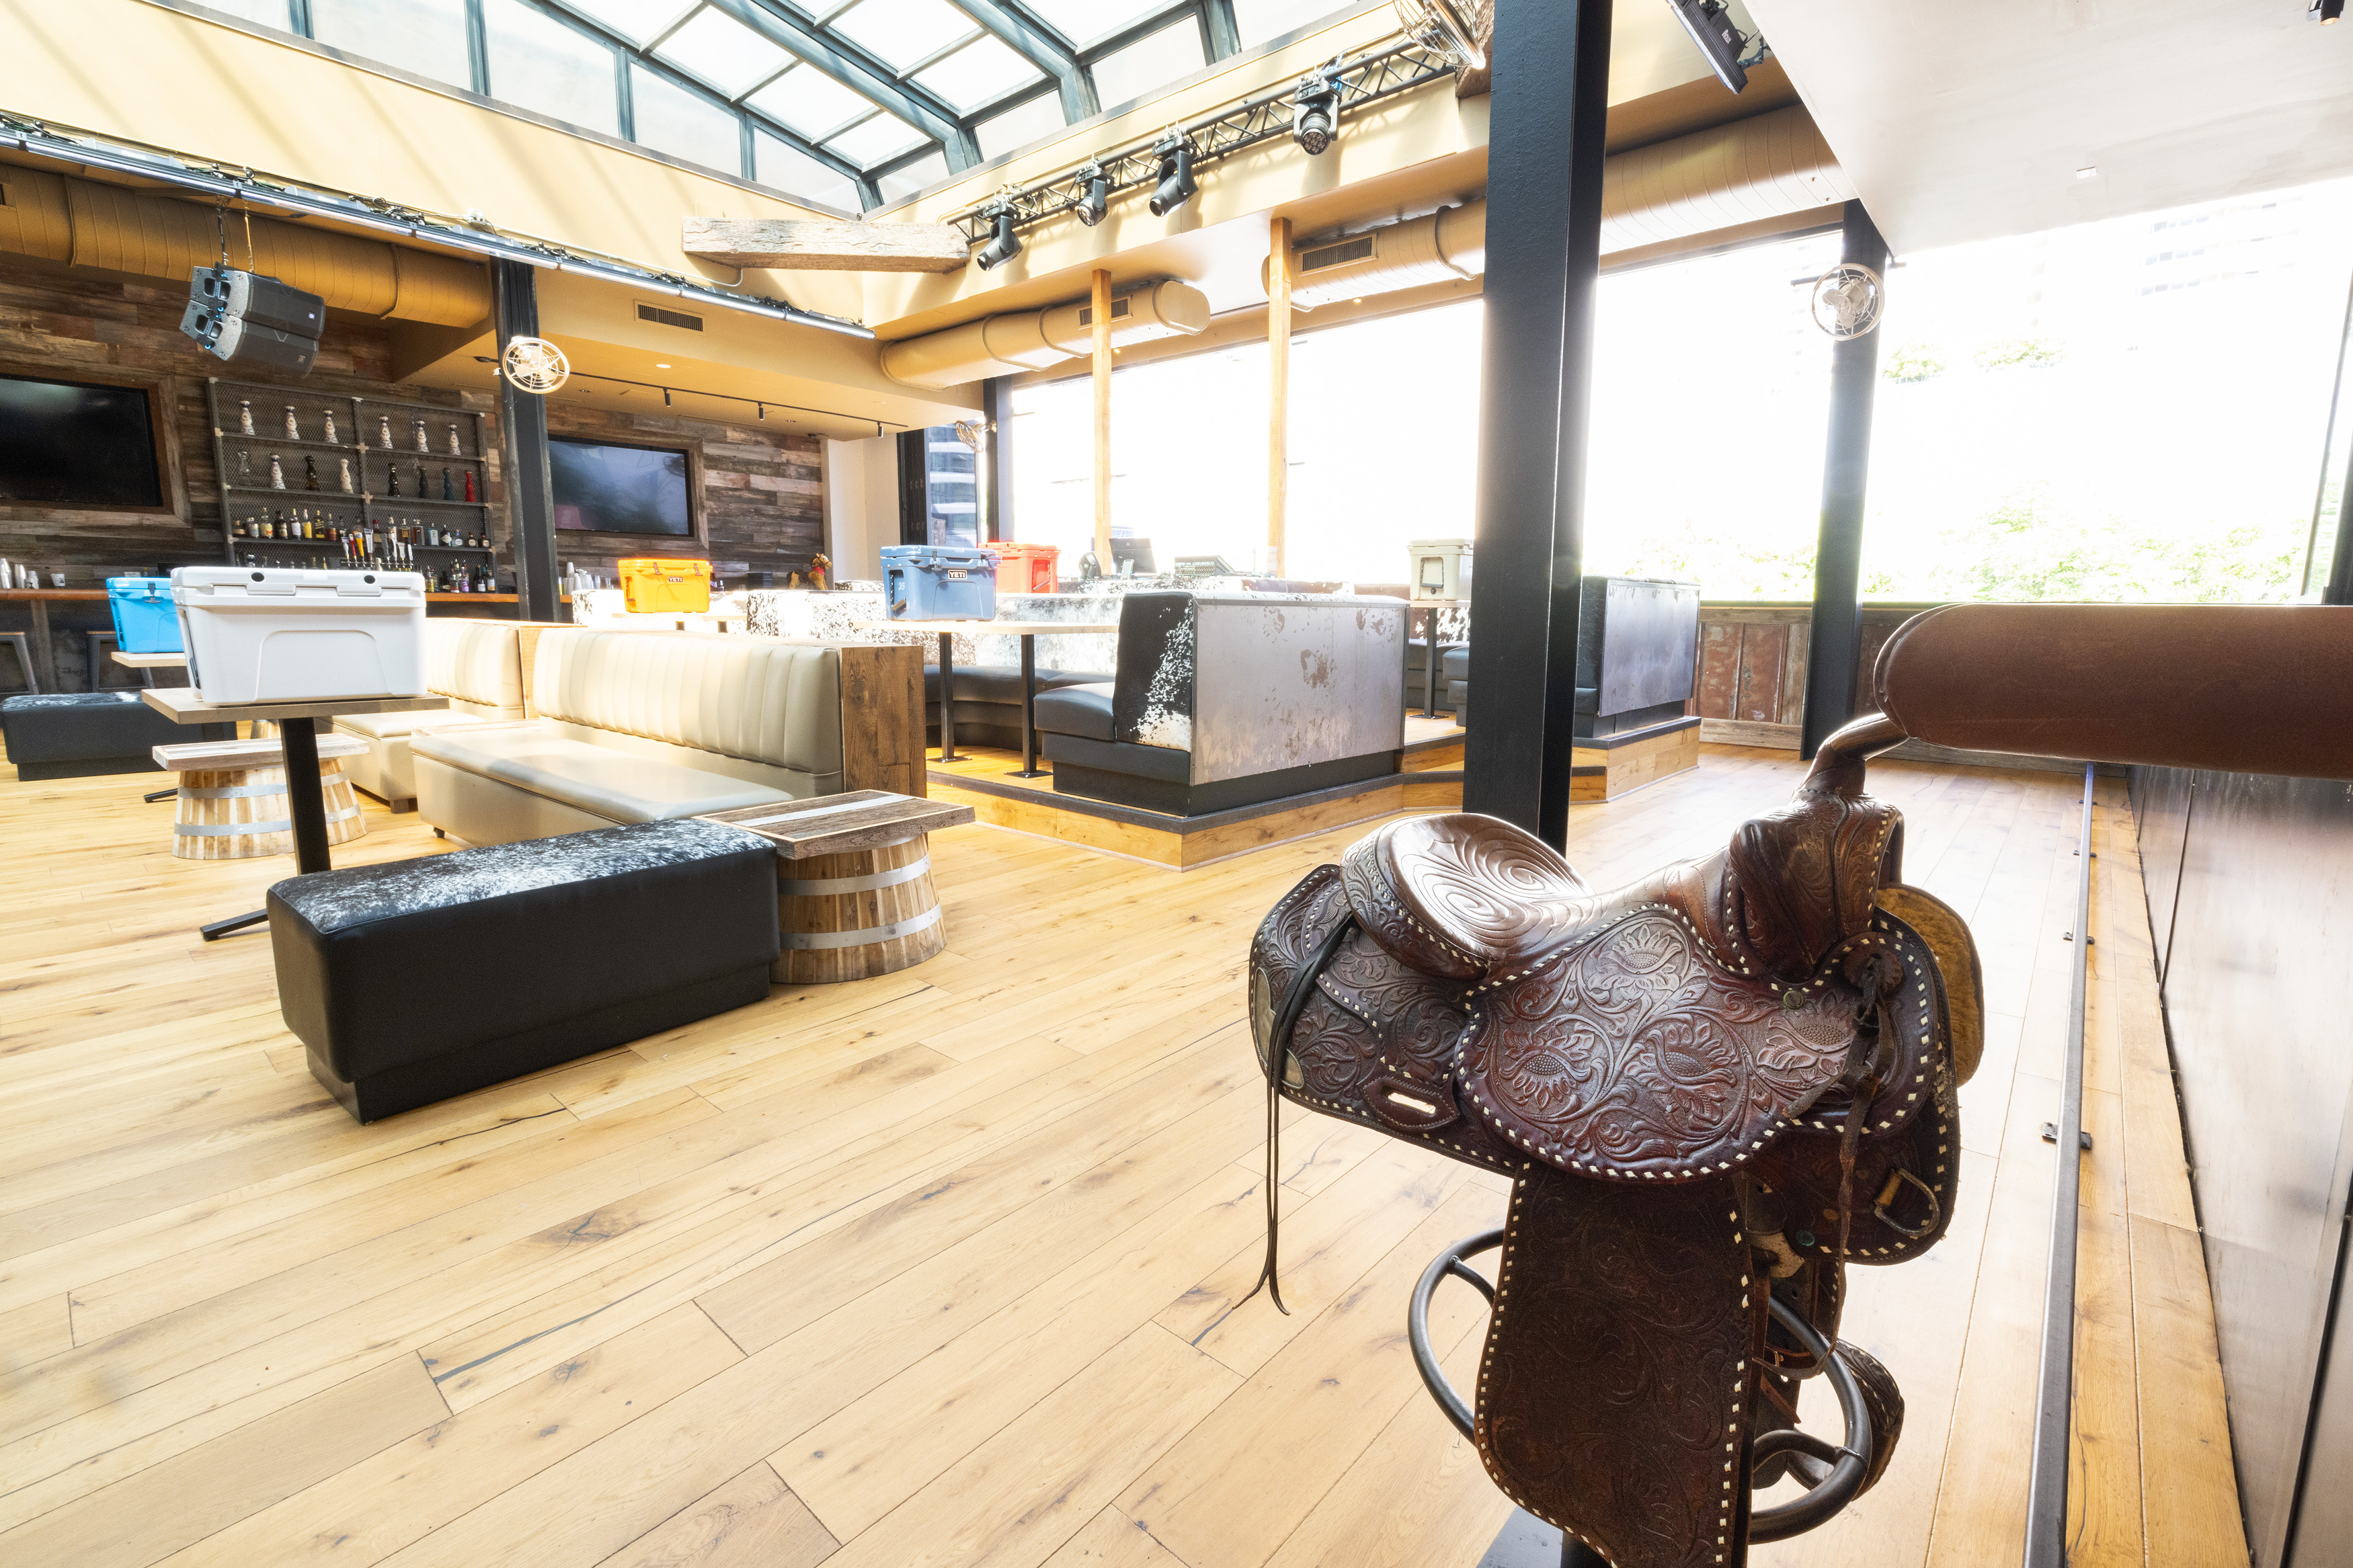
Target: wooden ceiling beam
<point>815,245</point>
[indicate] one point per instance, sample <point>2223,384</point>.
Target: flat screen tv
<point>70,443</point>
<point>619,490</point>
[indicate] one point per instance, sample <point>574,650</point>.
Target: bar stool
<point>23,643</point>
<point>101,660</point>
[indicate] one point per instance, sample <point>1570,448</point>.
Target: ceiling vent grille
<point>1360,248</point>
<point>669,318</point>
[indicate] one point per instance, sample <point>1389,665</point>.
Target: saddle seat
<point>1713,1086</point>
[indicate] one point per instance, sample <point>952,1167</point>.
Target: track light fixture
<point>1097,201</point>
<point>1006,245</point>
<point>2327,11</point>
<point>1316,115</point>
<point>1711,27</point>
<point>1174,152</point>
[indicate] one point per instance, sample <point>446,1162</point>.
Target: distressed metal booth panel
<point>1637,650</point>
<point>1283,681</point>
<point>2261,927</point>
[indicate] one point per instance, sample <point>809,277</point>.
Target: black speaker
<point>253,319</point>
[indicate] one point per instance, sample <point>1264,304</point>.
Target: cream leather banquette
<point>477,665</point>
<point>636,727</point>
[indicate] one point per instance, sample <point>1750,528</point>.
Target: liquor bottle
<point>309,473</point>
<point>345,463</point>
<point>455,449</point>
<point>293,431</point>
<point>243,467</point>
<point>420,481</point>
<point>469,484</point>
<point>330,429</point>
<point>448,486</point>
<point>245,417</point>
<point>237,528</point>
<point>277,473</point>
<point>383,430</point>
<point>392,472</point>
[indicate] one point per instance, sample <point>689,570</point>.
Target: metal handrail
<point>2046,1496</point>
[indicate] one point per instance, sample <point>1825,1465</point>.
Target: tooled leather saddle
<point>1717,1086</point>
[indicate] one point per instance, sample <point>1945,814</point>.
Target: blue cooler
<point>939,582</point>
<point>145,619</point>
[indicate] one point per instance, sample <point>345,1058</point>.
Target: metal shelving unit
<point>374,449</point>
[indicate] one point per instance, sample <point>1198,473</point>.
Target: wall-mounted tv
<point>619,490</point>
<point>70,443</point>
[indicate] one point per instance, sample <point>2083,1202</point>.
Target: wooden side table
<point>233,797</point>
<point>854,892</point>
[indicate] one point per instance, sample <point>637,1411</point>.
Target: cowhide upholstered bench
<point>413,982</point>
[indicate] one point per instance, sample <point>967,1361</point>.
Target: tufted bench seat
<point>477,772</point>
<point>412,982</point>
<point>477,665</point>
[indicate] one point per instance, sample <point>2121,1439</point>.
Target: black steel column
<point>1548,114</point>
<point>2338,589</point>
<point>997,413</point>
<point>523,425</point>
<point>1846,471</point>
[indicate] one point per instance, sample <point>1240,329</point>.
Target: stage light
<point>2326,10</point>
<point>1176,187</point>
<point>1712,29</point>
<point>1006,245</point>
<point>1315,119</point>
<point>1097,200</point>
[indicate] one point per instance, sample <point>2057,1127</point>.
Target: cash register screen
<point>618,489</point>
<point>76,443</point>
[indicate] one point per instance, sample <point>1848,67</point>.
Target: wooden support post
<point>1102,305</point>
<point>1278,389</point>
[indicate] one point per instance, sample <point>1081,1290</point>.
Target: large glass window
<point>426,36</point>
<point>1149,64</point>
<point>538,63</point>
<point>1019,126</point>
<point>1256,21</point>
<point>790,169</point>
<point>671,119</point>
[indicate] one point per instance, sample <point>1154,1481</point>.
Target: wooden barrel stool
<point>854,892</point>
<point>232,797</point>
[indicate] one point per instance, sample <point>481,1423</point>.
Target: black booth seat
<point>416,980</point>
<point>77,734</point>
<point>989,701</point>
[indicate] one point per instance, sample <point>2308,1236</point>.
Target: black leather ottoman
<point>79,734</point>
<point>423,979</point>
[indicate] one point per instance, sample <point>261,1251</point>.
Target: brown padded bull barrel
<point>2265,689</point>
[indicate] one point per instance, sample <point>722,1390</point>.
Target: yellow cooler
<point>653,587</point>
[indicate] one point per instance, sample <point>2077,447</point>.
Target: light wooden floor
<point>939,1268</point>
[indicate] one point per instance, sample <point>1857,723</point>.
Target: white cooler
<point>257,635</point>
<point>1439,568</point>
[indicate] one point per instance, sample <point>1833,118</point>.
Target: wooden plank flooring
<point>946,1268</point>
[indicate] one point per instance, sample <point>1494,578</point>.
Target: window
<point>639,21</point>
<point>538,63</point>
<point>1088,22</point>
<point>1149,64</point>
<point>900,184</point>
<point>723,52</point>
<point>1256,21</point>
<point>671,119</point>
<point>872,141</point>
<point>981,72</point>
<point>424,37</point>
<point>1018,127</point>
<point>278,14</point>
<point>809,101</point>
<point>794,172</point>
<point>602,489</point>
<point>904,33</point>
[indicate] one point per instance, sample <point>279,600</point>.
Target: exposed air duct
<point>1032,339</point>
<point>1764,167</point>
<point>115,229</point>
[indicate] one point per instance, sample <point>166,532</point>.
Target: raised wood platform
<point>947,1267</point>
<point>1615,765</point>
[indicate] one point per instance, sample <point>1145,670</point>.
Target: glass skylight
<point>983,71</point>
<point>1086,22</point>
<point>426,37</point>
<point>1018,127</point>
<point>809,101</point>
<point>550,67</point>
<point>1150,63</point>
<point>723,52</point>
<point>929,170</point>
<point>790,169</point>
<point>636,20</point>
<point>1256,21</point>
<point>671,119</point>
<point>904,33</point>
<point>870,142</point>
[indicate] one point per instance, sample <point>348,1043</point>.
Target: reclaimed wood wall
<point>763,490</point>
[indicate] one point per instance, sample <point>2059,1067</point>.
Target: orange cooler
<point>1026,568</point>
<point>654,586</point>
